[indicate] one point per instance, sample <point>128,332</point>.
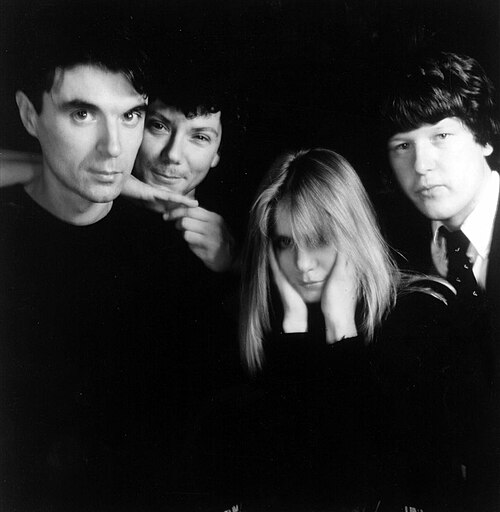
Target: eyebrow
<point>166,120</point>
<point>206,129</point>
<point>85,105</point>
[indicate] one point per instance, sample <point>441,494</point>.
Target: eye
<point>402,146</point>
<point>82,116</point>
<point>132,117</point>
<point>155,125</point>
<point>202,137</point>
<point>283,242</point>
<point>442,136</point>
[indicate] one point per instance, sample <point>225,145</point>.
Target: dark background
<point>309,72</point>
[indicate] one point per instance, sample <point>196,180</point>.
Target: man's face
<point>441,168</point>
<point>177,152</point>
<point>90,128</point>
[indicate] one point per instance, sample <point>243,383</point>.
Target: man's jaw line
<point>65,204</point>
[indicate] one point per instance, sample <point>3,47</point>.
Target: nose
<point>172,150</point>
<point>109,141</point>
<point>304,260</point>
<point>423,158</point>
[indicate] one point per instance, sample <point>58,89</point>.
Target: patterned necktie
<point>460,273</point>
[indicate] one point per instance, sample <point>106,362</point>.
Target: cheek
<point>327,260</point>
<point>199,169</point>
<point>405,180</point>
<point>285,263</point>
<point>149,149</point>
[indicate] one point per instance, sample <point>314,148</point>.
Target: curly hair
<point>439,85</point>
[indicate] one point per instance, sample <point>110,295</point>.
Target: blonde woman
<point>318,284</point>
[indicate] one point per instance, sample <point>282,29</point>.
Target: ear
<point>27,113</point>
<point>487,149</point>
<point>215,160</point>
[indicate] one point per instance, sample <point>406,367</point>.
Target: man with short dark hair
<point>192,121</point>
<point>77,294</point>
<point>441,121</point>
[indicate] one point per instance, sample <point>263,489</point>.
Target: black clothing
<point>110,340</point>
<point>72,354</point>
<point>475,362</point>
<point>413,364</point>
<point>347,425</point>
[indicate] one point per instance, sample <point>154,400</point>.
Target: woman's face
<point>306,268</point>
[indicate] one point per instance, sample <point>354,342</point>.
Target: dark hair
<point>60,37</point>
<point>439,85</point>
<point>198,77</point>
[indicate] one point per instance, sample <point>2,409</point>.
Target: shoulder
<point>416,335</point>
<point>12,197</point>
<point>16,207</point>
<point>422,307</point>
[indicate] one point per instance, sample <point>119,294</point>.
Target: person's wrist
<point>294,322</point>
<point>341,329</point>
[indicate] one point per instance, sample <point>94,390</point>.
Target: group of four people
<point>371,387</point>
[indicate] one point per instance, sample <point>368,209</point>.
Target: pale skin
<point>89,127</point>
<point>338,300</point>
<point>207,235</point>
<point>442,169</point>
<point>307,274</point>
<point>172,143</point>
<point>177,153</point>
<point>18,167</point>
<point>205,232</point>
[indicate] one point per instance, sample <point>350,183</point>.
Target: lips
<point>105,176</point>
<point>166,176</point>
<point>106,173</point>
<point>427,190</point>
<point>307,284</point>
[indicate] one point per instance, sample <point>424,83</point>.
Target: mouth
<point>428,191</point>
<point>105,176</point>
<point>310,284</point>
<point>166,177</point>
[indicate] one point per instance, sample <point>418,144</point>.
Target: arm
<point>207,235</point>
<point>338,301</point>
<point>18,167</point>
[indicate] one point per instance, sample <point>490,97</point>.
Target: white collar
<point>478,226</point>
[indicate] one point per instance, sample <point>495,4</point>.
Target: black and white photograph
<point>250,256</point>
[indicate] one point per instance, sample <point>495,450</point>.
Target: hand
<point>339,300</point>
<point>207,235</point>
<point>157,199</point>
<point>294,308</point>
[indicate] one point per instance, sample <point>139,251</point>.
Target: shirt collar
<point>478,226</point>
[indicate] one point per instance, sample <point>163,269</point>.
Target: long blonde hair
<point>327,202</point>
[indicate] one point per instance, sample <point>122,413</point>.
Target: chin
<point>105,196</point>
<point>311,298</point>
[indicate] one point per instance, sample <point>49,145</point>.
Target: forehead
<point>177,117</point>
<point>282,220</point>
<point>447,124</point>
<point>96,86</point>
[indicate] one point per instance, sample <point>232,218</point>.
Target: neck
<point>64,204</point>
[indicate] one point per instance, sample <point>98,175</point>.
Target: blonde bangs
<point>311,223</point>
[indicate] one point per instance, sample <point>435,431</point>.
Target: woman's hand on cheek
<point>294,308</point>
<point>338,301</point>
